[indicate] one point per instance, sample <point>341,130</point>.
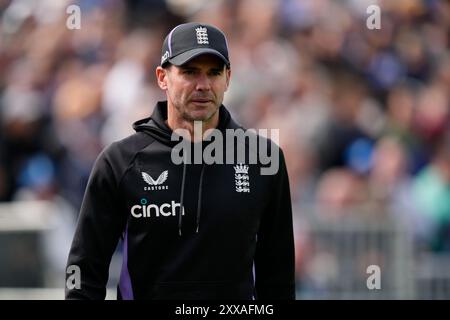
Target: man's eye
<point>188,72</point>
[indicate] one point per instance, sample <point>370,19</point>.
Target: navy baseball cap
<point>189,40</point>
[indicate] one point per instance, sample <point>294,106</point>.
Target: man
<point>191,230</point>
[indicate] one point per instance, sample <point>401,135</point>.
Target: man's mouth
<point>201,100</point>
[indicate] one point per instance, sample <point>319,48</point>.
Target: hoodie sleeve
<point>274,260</point>
<point>99,228</point>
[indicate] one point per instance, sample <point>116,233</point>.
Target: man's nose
<point>203,83</point>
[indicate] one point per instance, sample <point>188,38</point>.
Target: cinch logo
<point>155,184</point>
<point>145,210</point>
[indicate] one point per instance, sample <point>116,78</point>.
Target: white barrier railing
<point>343,253</point>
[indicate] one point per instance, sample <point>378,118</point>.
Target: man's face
<point>196,89</point>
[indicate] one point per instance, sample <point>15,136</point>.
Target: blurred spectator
<point>401,109</point>
<point>341,192</point>
<point>432,194</point>
<point>342,132</point>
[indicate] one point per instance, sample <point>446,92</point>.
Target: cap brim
<point>187,56</point>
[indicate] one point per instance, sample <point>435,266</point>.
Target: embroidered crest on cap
<point>202,35</point>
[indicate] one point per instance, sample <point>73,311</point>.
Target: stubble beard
<point>186,115</point>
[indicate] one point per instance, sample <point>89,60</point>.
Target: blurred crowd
<point>363,114</point>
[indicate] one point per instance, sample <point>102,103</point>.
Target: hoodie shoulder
<point>268,153</point>
<point>121,154</point>
<point>262,140</point>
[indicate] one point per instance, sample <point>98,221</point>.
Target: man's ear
<point>228,76</point>
<point>161,77</point>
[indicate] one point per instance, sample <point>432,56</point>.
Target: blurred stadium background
<point>363,118</point>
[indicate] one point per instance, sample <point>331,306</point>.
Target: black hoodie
<point>234,239</point>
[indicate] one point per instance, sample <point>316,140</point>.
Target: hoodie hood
<point>156,126</point>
